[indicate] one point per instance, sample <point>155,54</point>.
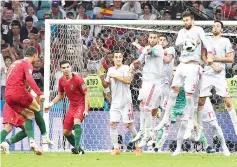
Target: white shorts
<point>207,82</point>
<point>149,93</point>
<point>187,76</point>
<point>125,114</point>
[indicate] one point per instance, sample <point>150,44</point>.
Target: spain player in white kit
<point>214,75</point>
<point>152,58</point>
<point>188,71</point>
<point>119,79</point>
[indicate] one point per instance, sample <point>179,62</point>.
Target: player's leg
<point>220,136</point>
<point>180,137</point>
<point>115,117</point>
<point>6,130</point>
<point>232,112</point>
<point>142,124</point>
<point>78,133</point>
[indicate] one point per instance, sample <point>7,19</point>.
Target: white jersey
<point>195,33</point>
<point>153,60</point>
<point>121,93</point>
<point>220,47</point>
<point>167,72</point>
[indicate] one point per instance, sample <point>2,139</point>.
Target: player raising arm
<point>188,71</point>
<point>119,78</point>
<point>76,90</point>
<point>19,99</point>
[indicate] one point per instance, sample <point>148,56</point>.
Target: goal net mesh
<point>87,48</point>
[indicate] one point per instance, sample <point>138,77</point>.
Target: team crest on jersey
<point>83,86</point>
<point>30,71</point>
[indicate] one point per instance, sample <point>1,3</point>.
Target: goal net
<point>87,45</point>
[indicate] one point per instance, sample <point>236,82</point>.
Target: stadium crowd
<point>22,25</point>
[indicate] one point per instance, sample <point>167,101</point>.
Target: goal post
<point>71,37</point>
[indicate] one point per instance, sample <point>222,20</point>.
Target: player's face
<point>35,58</point>
<point>66,69</point>
<point>163,42</point>
<point>153,39</point>
<point>118,58</point>
<point>216,29</point>
<point>188,22</point>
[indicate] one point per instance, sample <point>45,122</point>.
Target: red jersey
<point>74,88</point>
<point>18,73</point>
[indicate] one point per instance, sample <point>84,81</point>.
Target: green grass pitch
<point>66,159</point>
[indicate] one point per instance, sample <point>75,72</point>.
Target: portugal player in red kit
<point>19,99</point>
<point>76,91</point>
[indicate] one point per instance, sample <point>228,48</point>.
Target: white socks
<point>233,118</point>
<point>114,136</point>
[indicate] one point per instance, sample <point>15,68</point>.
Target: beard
<point>187,27</point>
<point>216,33</point>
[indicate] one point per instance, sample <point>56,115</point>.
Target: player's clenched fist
<point>209,59</point>
<point>47,107</point>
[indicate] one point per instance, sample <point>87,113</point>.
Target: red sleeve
<point>82,85</point>
<point>28,69</point>
<point>60,86</point>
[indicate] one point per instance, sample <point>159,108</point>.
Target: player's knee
<point>201,102</point>
<point>154,112</point>
<point>8,127</point>
<point>228,103</point>
<point>66,132</point>
<point>175,89</point>
<point>113,124</point>
<point>77,121</point>
<point>129,125</point>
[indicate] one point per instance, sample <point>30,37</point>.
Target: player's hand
<point>209,59</point>
<point>216,68</point>
<point>132,67</point>
<point>85,113</point>
<point>42,98</point>
<point>198,42</point>
<point>47,108</point>
<point>102,76</point>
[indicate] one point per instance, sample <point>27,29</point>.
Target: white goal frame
<point>49,22</point>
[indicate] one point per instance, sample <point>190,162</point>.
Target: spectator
<point>228,10</point>
<point>106,63</point>
<point>28,28</point>
<point>70,15</point>
<point>33,40</point>
<point>38,73</point>
<point>199,8</point>
<point>81,12</point>
<point>14,53</point>
<point>6,23</point>
<point>42,41</point>
<point>166,15</point>
<point>147,13</point>
<point>3,70</point>
<point>116,5</point>
<point>14,37</point>
<point>47,16</point>
<point>56,11</point>
<point>16,6</point>
<point>70,4</point>
<point>7,51</point>
<point>85,35</point>
<point>132,6</point>
<point>31,12</point>
<point>217,12</point>
<point>102,4</point>
<point>26,44</point>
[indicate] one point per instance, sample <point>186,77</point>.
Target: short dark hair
<point>16,23</point>
<point>187,14</point>
<point>7,57</point>
<point>31,51</point>
<point>163,35</point>
<point>149,6</point>
<point>218,21</point>
<point>64,62</point>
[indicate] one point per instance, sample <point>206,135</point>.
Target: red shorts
<point>19,101</point>
<point>72,113</point>
<point>11,117</point>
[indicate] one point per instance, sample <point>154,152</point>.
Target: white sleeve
<point>204,40</point>
<point>127,72</point>
<point>171,51</point>
<point>180,38</point>
<point>107,79</point>
<point>158,51</point>
<point>228,46</point>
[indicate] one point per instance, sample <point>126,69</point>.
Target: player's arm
<point>55,100</point>
<point>179,40</point>
<point>213,65</point>
<point>229,57</point>
<point>137,45</point>
<point>126,76</point>
<point>207,45</point>
<point>105,83</point>
<point>169,57</point>
<point>86,103</point>
<point>83,88</point>
<point>30,80</point>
